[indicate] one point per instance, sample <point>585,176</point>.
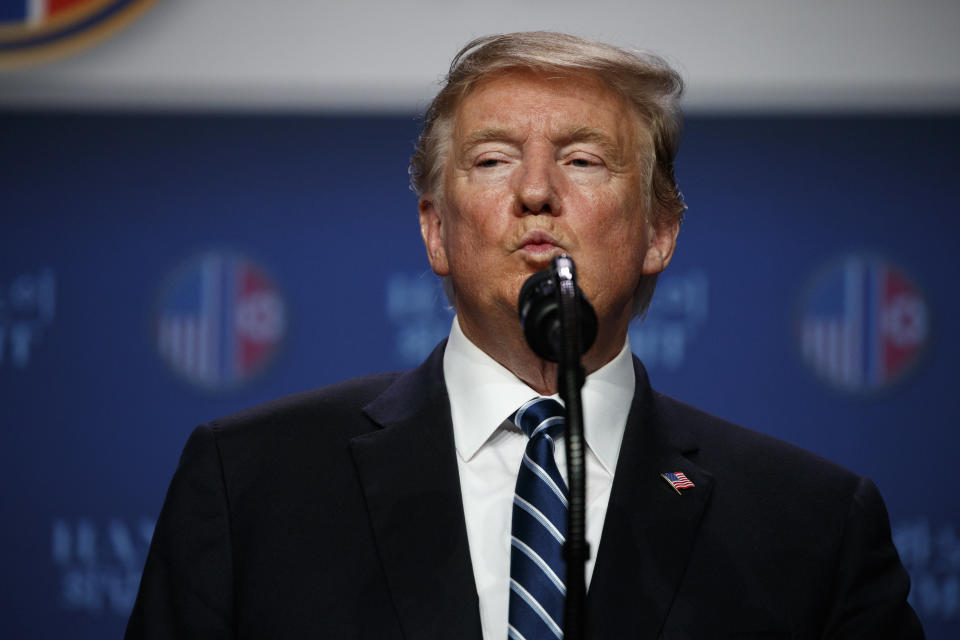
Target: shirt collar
<point>483,393</point>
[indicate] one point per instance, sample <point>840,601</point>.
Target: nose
<point>537,185</point>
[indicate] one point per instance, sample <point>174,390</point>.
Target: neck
<point>508,346</point>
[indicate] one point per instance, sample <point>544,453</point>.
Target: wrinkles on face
<point>540,166</point>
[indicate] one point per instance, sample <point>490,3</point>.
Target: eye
<point>584,161</point>
<point>488,163</point>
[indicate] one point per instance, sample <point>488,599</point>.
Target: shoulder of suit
<point>333,407</point>
<point>728,448</point>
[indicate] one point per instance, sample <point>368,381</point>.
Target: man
<point>384,507</point>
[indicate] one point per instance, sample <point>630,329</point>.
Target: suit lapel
<point>408,472</point>
<point>649,529</point>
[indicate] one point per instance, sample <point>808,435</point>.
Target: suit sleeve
<point>187,586</point>
<point>871,585</point>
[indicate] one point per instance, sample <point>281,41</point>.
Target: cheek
<point>467,238</point>
<point>481,218</point>
<point>614,238</point>
<point>613,219</point>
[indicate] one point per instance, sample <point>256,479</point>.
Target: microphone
<point>560,325</point>
<point>539,308</point>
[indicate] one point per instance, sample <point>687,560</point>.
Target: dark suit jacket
<point>337,514</point>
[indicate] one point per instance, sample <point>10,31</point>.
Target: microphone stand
<point>570,379</point>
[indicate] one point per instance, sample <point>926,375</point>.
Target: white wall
<point>386,55</point>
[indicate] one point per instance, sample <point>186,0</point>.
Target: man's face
<point>539,166</point>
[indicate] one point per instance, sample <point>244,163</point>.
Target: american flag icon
<point>678,480</point>
<point>864,324</point>
<point>36,30</point>
<point>221,319</point>
<point>35,12</point>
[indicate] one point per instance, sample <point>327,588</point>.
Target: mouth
<point>539,244</point>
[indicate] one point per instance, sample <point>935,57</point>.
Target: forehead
<point>521,101</point>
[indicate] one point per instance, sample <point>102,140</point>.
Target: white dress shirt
<point>483,396</point>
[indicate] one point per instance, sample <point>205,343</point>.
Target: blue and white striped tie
<point>537,568</point>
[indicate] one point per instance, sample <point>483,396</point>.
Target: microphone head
<point>540,315</point>
<point>539,310</point>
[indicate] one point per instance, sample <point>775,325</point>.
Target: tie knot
<point>539,416</point>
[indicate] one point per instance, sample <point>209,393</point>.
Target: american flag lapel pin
<point>678,480</point>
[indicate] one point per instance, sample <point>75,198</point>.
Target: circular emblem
<point>38,30</point>
<point>220,320</point>
<point>864,324</point>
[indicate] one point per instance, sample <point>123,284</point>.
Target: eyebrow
<point>594,136</point>
<point>578,134</point>
<point>488,134</point>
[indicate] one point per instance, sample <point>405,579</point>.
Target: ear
<point>431,228</point>
<point>663,240</point>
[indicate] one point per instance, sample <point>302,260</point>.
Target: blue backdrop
<point>159,271</point>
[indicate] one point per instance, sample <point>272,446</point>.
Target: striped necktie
<point>537,567</point>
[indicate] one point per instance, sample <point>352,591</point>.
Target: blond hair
<point>644,80</point>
